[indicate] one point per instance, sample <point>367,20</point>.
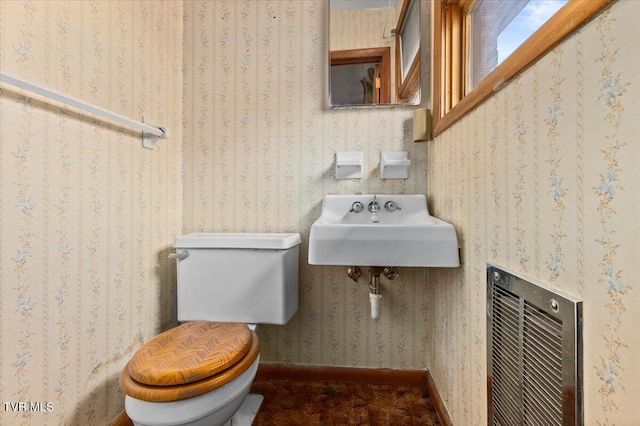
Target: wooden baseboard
<point>441,410</point>
<point>341,374</point>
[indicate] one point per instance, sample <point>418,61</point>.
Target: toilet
<point>200,372</point>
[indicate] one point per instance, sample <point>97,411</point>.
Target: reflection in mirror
<point>366,66</point>
<point>408,51</point>
<point>361,76</point>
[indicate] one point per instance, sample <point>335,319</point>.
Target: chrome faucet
<point>374,208</point>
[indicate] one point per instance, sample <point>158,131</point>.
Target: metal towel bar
<point>150,134</point>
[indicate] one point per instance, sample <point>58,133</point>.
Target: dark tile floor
<point>305,403</point>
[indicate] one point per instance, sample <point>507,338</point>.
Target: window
<point>499,27</point>
<point>479,45</point>
<point>408,51</point>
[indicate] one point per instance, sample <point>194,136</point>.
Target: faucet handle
<point>356,207</point>
<point>391,206</point>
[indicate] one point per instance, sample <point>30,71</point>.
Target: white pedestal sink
<point>405,236</point>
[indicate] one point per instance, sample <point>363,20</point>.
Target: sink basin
<point>408,236</point>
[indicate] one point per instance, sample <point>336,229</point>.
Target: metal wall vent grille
<point>535,353</point>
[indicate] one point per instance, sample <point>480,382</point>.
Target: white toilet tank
<point>237,277</point>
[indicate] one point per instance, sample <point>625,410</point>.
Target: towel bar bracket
<point>149,139</point>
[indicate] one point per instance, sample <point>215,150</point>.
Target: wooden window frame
<point>406,89</point>
<point>451,98</point>
<point>381,55</point>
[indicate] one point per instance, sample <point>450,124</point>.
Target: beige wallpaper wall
<point>259,156</point>
<point>543,179</point>
<point>86,214</point>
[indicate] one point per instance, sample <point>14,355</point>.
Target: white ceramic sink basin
<point>408,236</point>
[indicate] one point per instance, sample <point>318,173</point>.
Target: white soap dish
<point>394,165</point>
<point>348,165</point>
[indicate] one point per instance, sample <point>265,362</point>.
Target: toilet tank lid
<point>273,241</point>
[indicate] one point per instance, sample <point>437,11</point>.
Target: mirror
<point>374,52</point>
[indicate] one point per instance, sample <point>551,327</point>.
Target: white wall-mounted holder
<point>394,165</point>
<point>348,165</point>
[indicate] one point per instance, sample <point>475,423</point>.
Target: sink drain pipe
<point>374,295</point>
<point>391,272</point>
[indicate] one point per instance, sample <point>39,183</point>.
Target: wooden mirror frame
<point>381,55</point>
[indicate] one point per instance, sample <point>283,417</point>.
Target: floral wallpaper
<point>259,152</point>
<point>542,179</point>
<point>86,214</point>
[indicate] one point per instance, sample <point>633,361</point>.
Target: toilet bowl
<point>200,372</point>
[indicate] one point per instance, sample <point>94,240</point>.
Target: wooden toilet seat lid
<point>189,390</point>
<point>189,353</point>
